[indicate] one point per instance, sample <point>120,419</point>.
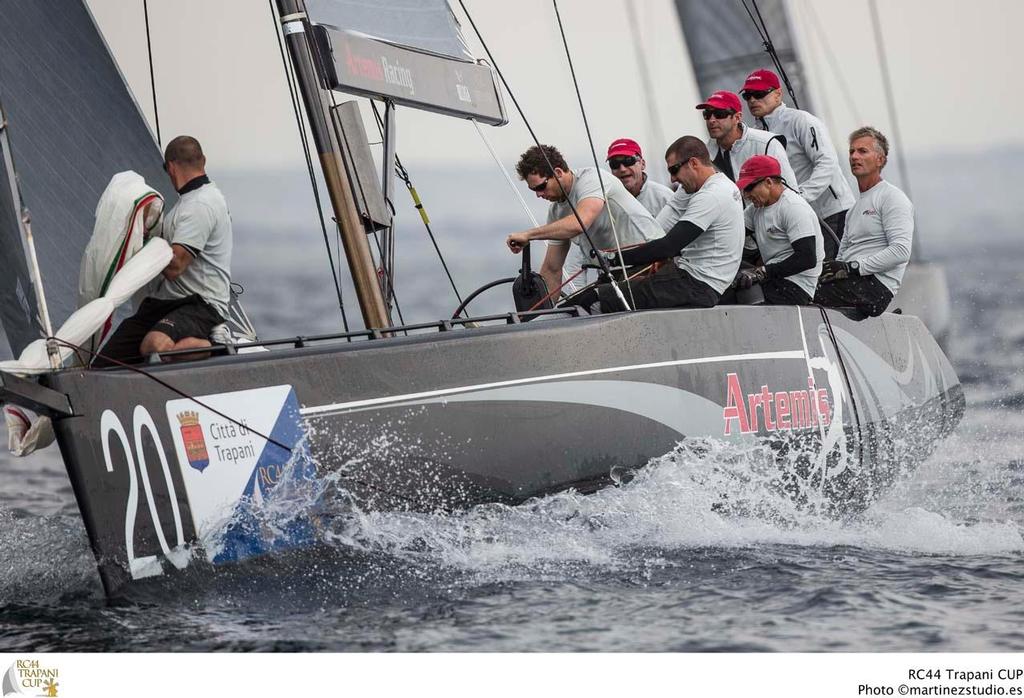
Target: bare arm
<point>563,229</point>
<point>551,267</point>
<point>179,262</point>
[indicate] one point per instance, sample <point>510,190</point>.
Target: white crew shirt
<point>714,257</point>
<point>813,158</point>
<point>879,234</point>
<point>778,226</point>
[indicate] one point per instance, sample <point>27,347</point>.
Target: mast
<point>294,23</point>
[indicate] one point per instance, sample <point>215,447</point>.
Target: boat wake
<point>705,494</point>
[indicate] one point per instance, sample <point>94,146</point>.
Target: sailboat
<point>170,462</point>
<point>725,42</point>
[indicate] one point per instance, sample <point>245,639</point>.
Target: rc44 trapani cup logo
<point>30,677</point>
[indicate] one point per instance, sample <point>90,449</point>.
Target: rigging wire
<point>383,269</point>
<point>844,87</point>
<point>769,47</point>
<point>602,262</point>
<point>96,354</point>
<point>309,162</point>
<point>648,92</point>
<point>508,177</point>
<point>593,152</point>
<point>152,77</point>
<point>890,99</point>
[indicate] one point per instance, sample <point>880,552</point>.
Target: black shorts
<point>669,287</point>
<point>178,319</point>
<point>866,294</point>
<point>775,292</point>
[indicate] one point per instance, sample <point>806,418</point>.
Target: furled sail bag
<point>127,213</point>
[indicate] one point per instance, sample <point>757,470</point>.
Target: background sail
<point>426,25</point>
<point>725,47</point>
<point>73,125</point>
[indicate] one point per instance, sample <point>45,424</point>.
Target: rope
<point>152,77</point>
<point>176,391</point>
<point>309,163</point>
<point>383,267</point>
<point>404,176</point>
<point>769,47</point>
<point>597,165</point>
<point>818,33</point>
<point>583,229</point>
<point>508,177</point>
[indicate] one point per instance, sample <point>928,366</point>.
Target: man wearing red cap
<point>874,252</point>
<point>811,153</point>
<point>788,236</point>
<point>582,196</point>
<point>626,161</point>
<point>706,245</point>
<point>732,142</point>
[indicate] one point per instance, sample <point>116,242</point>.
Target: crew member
<point>193,295</point>
<point>626,161</point>
<point>733,142</point>
<point>548,176</point>
<point>810,152</point>
<point>875,249</point>
<point>706,244</point>
<point>787,233</point>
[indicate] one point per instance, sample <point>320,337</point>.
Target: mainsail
<point>725,46</point>
<point>73,124</point>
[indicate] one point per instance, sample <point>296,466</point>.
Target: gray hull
<point>496,414</point>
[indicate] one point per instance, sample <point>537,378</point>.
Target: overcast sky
<point>219,75</point>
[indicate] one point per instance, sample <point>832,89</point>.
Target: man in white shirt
<point>875,249</point>
<point>626,161</point>
<point>194,293</point>
<point>785,227</point>
<point>705,245</point>
<point>733,142</point>
<point>810,151</point>
<point>591,210</point>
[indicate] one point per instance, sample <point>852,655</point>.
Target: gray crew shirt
<point>814,160</point>
<point>714,257</point>
<point>201,223</point>
<point>778,226</point>
<point>652,197</point>
<point>879,234</point>
<point>633,223</point>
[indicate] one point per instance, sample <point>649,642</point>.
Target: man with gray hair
<point>194,293</point>
<point>875,250</point>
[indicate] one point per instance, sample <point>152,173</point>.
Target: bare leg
<point>159,342</point>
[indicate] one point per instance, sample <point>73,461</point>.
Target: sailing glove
<point>746,278</point>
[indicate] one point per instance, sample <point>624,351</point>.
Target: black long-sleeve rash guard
<point>802,259</point>
<point>681,235</point>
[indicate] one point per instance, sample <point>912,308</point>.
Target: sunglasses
<point>757,94</point>
<point>540,187</point>
<point>717,113</point>
<point>622,161</point>
<point>672,169</point>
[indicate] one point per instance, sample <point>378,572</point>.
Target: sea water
<point>650,565</point>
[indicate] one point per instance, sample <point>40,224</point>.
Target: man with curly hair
<point>581,199</point>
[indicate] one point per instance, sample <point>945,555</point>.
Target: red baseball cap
<point>722,100</point>
<point>624,146</point>
<point>757,168</point>
<point>761,80</point>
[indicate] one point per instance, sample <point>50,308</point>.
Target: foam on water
<point>709,495</point>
